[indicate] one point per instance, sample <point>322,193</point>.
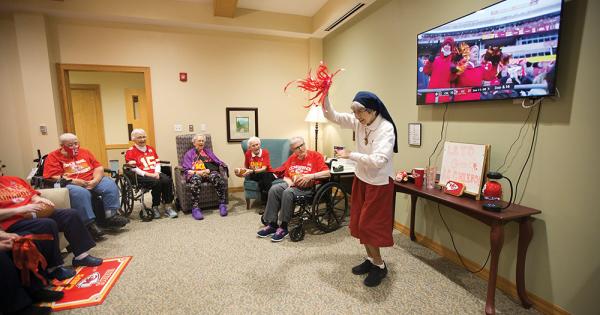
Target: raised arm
<point>345,120</point>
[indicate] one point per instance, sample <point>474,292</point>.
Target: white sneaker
<point>169,212</point>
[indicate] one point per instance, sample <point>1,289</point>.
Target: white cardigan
<point>374,160</point>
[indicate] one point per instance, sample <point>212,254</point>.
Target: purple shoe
<point>223,209</point>
<point>197,214</point>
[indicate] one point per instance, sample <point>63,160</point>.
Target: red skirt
<point>372,213</point>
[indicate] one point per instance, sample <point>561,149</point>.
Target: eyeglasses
<point>72,144</point>
<point>298,147</point>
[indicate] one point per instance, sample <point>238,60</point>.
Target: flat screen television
<point>506,50</point>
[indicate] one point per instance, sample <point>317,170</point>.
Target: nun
<point>371,210</point>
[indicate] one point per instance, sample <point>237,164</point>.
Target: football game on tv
<point>506,50</point>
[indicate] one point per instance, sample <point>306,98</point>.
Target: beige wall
<point>112,94</point>
<point>563,260</point>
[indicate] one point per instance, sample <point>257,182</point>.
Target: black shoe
<point>44,295</point>
<point>115,221</point>
<point>62,273</point>
<point>34,310</point>
<point>362,268</point>
<point>375,276</point>
<point>88,261</point>
<point>95,231</point>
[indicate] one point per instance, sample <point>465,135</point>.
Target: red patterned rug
<point>91,285</point>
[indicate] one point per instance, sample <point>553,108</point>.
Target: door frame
<point>65,92</point>
<point>96,89</point>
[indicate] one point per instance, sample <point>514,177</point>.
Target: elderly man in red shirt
<point>301,172</point>
<point>86,174</point>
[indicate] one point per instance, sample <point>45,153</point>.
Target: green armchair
<point>279,150</point>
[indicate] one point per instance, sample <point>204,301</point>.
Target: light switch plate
<point>44,129</point>
<point>178,127</point>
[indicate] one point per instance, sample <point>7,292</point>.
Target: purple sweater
<point>190,156</point>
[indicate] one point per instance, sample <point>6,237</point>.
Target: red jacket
<point>440,77</point>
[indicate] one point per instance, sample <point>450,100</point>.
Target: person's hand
<point>248,172</point>
<point>8,236</point>
<point>304,180</point>
<point>79,182</point>
<point>191,172</point>
<point>30,208</point>
<point>90,184</point>
<point>42,200</point>
<point>6,245</point>
<point>342,153</point>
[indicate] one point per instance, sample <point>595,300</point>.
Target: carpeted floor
<point>219,266</point>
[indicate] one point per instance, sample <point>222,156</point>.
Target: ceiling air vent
<point>345,16</point>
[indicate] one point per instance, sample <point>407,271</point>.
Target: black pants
<point>13,296</point>
<point>63,220</point>
<point>162,188</point>
<point>265,180</point>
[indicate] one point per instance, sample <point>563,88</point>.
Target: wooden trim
<point>235,189</point>
<point>503,284</point>
<point>117,146</point>
<point>63,80</point>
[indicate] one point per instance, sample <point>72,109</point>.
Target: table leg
<point>525,236</point>
<point>413,208</point>
<point>496,240</point>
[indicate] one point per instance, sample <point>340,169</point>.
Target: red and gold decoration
<point>454,188</point>
<point>319,84</point>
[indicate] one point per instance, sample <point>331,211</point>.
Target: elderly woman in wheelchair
<point>301,172</point>
<point>200,165</point>
<point>144,168</point>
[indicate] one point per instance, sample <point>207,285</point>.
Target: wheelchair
<point>325,208</point>
<point>132,191</point>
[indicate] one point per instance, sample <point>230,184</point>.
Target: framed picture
<point>242,123</point>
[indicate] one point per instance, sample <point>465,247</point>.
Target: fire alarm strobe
<point>183,76</point>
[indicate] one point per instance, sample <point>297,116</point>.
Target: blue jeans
<point>81,199</point>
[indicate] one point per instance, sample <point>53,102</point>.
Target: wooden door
<point>137,111</point>
<point>88,120</point>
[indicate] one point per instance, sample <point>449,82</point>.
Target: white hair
<point>137,132</point>
<point>253,140</point>
<point>198,136</point>
<point>296,140</point>
<point>66,137</point>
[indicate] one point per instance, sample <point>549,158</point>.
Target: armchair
<point>60,198</point>
<point>182,191</point>
<point>279,150</point>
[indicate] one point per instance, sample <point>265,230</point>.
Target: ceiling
<point>288,18</point>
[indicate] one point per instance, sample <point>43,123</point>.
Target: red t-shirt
<point>313,162</point>
<point>256,162</point>
<point>146,161</point>
<point>14,192</point>
<point>81,166</point>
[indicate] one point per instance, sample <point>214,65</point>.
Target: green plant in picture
<point>242,124</point>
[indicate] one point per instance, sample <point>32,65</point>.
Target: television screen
<point>506,50</point>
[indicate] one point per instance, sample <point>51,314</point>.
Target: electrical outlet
<point>178,128</point>
<point>191,127</point>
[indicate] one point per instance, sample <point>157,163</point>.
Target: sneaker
<point>169,212</point>
<point>266,231</point>
<point>363,268</point>
<point>45,295</point>
<point>279,235</point>
<point>155,212</point>
<point>375,276</point>
<point>88,261</point>
<point>62,273</point>
<point>223,210</point>
<point>197,214</point>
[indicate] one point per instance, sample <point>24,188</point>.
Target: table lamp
<point>315,115</point>
<point>494,188</point>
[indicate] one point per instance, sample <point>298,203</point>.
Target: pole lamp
<point>315,115</point>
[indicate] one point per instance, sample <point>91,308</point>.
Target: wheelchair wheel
<point>329,207</point>
<point>297,233</point>
<point>126,192</point>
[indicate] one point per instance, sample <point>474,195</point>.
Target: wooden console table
<point>496,221</point>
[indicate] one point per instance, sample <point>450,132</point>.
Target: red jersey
<point>14,192</point>
<point>313,162</point>
<point>81,166</point>
<point>146,161</point>
<point>258,161</point>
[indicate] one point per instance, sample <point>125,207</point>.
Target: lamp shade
<point>315,115</point>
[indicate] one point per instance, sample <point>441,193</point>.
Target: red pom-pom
<point>320,84</point>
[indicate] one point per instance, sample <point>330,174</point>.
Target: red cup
<point>418,174</point>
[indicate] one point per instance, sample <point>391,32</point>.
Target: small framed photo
<point>242,123</point>
<point>414,134</point>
